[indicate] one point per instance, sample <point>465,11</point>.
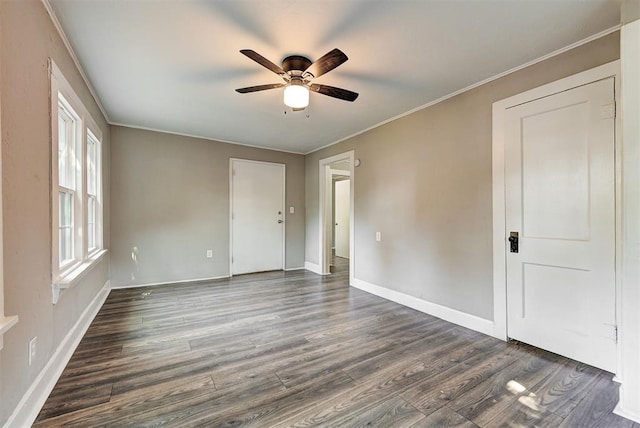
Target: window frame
<point>65,274</point>
<point>74,190</point>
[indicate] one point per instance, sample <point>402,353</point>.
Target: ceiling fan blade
<point>262,61</point>
<point>332,91</point>
<point>260,88</point>
<point>327,63</point>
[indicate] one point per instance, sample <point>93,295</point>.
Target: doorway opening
<point>341,188</point>
<point>336,184</point>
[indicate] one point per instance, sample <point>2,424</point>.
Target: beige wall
<point>171,202</point>
<point>425,184</point>
<point>630,11</point>
<point>28,40</point>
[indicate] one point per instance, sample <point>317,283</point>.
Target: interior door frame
<point>325,215</point>
<point>499,239</point>
<point>284,203</point>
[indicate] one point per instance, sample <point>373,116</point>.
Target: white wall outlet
<point>32,349</point>
<point>378,236</point>
<point>209,254</point>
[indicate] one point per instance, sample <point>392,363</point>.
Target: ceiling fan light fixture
<point>296,95</point>
<point>298,72</point>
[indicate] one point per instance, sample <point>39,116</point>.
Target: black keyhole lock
<point>513,242</point>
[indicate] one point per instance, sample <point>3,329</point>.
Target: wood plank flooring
<point>283,349</point>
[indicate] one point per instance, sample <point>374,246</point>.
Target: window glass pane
<point>66,244</point>
<point>66,227</point>
<point>91,222</point>
<point>91,165</point>
<point>66,143</point>
<point>66,209</point>
<point>63,152</point>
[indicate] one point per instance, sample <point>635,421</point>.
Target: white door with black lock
<point>560,221</point>
<point>257,216</point>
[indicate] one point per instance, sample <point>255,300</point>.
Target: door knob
<point>513,242</point>
<point>279,221</point>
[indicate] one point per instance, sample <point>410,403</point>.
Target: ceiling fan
<point>298,73</point>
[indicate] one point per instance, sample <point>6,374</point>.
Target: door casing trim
<point>499,240</point>
<point>324,215</point>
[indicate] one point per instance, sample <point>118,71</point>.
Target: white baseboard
<point>313,267</point>
<point>451,315</point>
<point>291,269</point>
<point>32,401</point>
<point>620,411</point>
<point>185,281</point>
<point>632,411</point>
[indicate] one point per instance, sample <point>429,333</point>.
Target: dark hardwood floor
<point>298,349</point>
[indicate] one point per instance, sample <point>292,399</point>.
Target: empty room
<point>274,213</point>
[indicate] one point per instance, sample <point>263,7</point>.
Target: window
<point>93,147</point>
<point>76,204</point>
<point>69,128</point>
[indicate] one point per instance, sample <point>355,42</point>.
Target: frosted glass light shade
<point>296,96</point>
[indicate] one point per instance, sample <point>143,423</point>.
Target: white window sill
<point>74,276</point>
<point>5,324</point>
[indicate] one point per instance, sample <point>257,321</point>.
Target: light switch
<point>292,210</point>
<point>378,236</point>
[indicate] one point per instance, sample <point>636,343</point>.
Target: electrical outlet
<point>209,254</point>
<point>32,350</point>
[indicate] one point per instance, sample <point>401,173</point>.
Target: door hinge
<point>615,333</point>
<point>615,114</point>
<point>608,111</point>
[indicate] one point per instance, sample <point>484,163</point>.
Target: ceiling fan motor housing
<point>296,63</point>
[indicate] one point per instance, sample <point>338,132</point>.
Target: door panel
<point>342,190</point>
<point>257,207</point>
<point>555,173</point>
<point>559,170</point>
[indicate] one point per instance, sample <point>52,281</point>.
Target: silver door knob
<point>279,221</point>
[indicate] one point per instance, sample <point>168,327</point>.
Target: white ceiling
<point>173,65</point>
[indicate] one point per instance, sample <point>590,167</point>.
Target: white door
<point>257,216</point>
<point>341,205</point>
<point>559,170</point>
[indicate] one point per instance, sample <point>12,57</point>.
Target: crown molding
<point>67,44</point>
